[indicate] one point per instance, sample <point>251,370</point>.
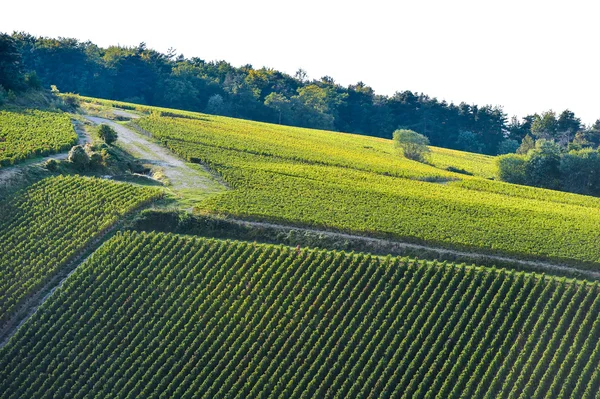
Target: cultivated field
<point>28,133</point>
<point>45,226</point>
<point>161,315</point>
<point>362,185</point>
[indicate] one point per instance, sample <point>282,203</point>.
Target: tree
<point>543,165</point>
<point>511,168</point>
<point>545,126</point>
<point>216,105</point>
<point>413,145</point>
<point>11,68</point>
<point>567,126</point>
<point>468,141</point>
<point>527,144</point>
<point>107,134</point>
<point>278,102</point>
<point>508,146</point>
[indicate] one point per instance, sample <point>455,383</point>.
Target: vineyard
<point>32,133</point>
<point>161,315</point>
<point>361,185</point>
<point>43,227</point>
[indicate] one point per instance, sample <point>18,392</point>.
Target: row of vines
<point>31,133</point>
<point>44,226</point>
<point>159,315</point>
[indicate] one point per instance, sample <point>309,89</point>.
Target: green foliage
<point>51,165</point>
<point>79,157</point>
<point>468,141</point>
<point>11,67</point>
<point>579,172</point>
<point>191,317</point>
<point>543,165</point>
<point>45,226</point>
<point>511,168</point>
<point>146,76</point>
<point>413,145</point>
<point>30,133</point>
<point>508,146</point>
<point>358,184</point>
<point>107,134</point>
<point>527,144</point>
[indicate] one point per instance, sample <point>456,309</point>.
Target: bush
<point>107,134</point>
<point>71,100</point>
<point>51,165</point>
<point>511,168</point>
<point>543,165</point>
<point>78,157</point>
<point>412,144</point>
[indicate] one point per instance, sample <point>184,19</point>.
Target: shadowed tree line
<point>142,75</point>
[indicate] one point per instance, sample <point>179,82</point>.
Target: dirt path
<point>12,173</point>
<point>379,245</point>
<point>179,173</point>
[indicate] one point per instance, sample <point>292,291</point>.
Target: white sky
<point>527,55</point>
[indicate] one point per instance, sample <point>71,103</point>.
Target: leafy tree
<point>511,168</point>
<point>527,144</point>
<point>543,165</point>
<point>216,105</point>
<point>11,68</point>
<point>545,126</point>
<point>579,172</point>
<point>468,141</point>
<point>413,145</point>
<point>107,134</point>
<point>279,103</point>
<point>508,146</point>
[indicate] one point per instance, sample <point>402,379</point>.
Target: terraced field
<point>28,133</point>
<point>361,185</point>
<point>160,315</point>
<point>43,227</point>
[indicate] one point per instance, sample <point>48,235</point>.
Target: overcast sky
<point>527,56</point>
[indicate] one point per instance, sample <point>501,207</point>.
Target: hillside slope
<point>159,315</point>
<point>361,185</point>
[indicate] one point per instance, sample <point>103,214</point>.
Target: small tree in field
<point>412,144</point>
<point>107,134</point>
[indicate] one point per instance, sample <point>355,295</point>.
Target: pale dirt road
<point>180,174</point>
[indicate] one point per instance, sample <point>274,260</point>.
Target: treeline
<point>142,75</point>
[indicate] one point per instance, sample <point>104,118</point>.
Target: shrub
<point>107,134</point>
<point>412,144</point>
<point>511,168</point>
<point>51,165</point>
<point>78,157</point>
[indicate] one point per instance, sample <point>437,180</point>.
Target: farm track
<point>180,175</point>
<point>381,246</point>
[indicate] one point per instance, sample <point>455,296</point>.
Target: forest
<point>145,76</point>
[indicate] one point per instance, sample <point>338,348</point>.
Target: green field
<point>160,315</point>
<point>46,225</point>
<point>28,133</point>
<point>362,185</point>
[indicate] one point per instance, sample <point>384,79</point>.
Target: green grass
<point>30,133</point>
<point>152,314</point>
<point>46,225</point>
